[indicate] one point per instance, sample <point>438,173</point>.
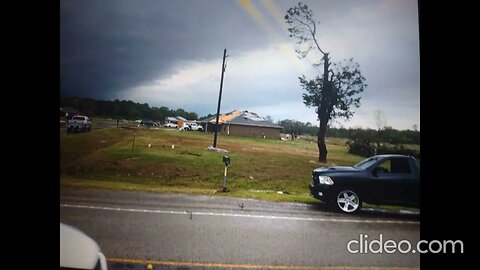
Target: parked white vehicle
<point>195,127</point>
<point>185,127</point>
<point>79,123</point>
<point>171,125</point>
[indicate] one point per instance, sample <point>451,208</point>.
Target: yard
<point>166,160</point>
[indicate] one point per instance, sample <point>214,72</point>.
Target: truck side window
<point>400,165</point>
<point>385,166</point>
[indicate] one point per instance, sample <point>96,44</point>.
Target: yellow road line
<point>251,266</point>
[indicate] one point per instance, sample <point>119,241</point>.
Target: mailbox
<point>226,160</point>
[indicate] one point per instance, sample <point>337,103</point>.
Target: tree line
<point>127,109</point>
<point>383,135</point>
<point>123,109</point>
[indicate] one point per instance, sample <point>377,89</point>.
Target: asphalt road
<point>189,232</point>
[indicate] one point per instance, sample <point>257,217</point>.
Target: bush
<point>361,149</point>
<point>368,150</point>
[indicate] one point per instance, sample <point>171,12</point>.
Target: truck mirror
<point>226,160</point>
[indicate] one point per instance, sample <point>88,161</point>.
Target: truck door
<point>397,180</point>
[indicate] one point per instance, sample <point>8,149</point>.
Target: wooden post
<point>133,142</point>
<point>219,99</point>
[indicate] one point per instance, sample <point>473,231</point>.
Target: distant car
<point>148,123</point>
<point>171,125</point>
<point>195,127</point>
<point>79,251</point>
<point>79,123</point>
<point>185,127</point>
<point>381,179</point>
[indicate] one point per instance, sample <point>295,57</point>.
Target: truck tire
<point>348,201</point>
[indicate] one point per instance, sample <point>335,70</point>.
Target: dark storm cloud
<point>107,46</point>
<point>168,53</point>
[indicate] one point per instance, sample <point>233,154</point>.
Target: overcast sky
<point>169,53</point>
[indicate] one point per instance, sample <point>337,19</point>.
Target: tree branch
<point>313,35</point>
<point>312,32</point>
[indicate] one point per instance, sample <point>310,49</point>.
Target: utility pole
<point>219,99</point>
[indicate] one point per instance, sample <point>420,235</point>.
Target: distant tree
<point>207,117</point>
<point>269,119</point>
<point>334,92</point>
<point>380,122</point>
<point>191,116</point>
<point>88,106</point>
<point>380,119</point>
<point>122,109</point>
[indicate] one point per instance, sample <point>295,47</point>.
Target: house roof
<point>225,118</point>
<point>245,118</point>
<point>169,118</point>
<point>181,118</point>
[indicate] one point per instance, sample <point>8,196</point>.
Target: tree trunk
<point>322,147</point>
<point>323,113</point>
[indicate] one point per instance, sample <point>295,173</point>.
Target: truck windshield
<point>365,163</point>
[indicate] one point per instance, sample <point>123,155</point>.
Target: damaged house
<point>244,123</point>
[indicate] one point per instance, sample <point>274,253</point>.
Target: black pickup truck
<point>381,179</point>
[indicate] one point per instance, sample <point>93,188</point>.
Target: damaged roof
<point>244,118</point>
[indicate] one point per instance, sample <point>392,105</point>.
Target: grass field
<point>166,160</point>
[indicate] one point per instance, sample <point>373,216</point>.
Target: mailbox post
<point>226,160</point>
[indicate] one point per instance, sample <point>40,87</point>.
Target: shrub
<point>360,148</point>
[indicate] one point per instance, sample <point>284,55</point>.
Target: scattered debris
<point>250,177</point>
<point>217,149</point>
<point>221,190</point>
<point>270,191</point>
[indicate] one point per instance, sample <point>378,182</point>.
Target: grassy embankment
<point>261,168</point>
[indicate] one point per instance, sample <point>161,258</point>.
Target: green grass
<point>263,169</point>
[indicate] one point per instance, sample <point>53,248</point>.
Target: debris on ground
<point>217,149</point>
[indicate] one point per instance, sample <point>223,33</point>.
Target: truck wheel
<point>348,201</point>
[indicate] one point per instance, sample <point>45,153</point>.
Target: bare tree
<point>269,119</point>
<point>380,122</point>
<point>333,93</point>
